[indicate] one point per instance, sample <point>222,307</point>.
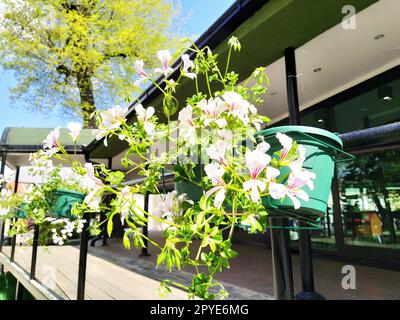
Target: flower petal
<point>277,190</point>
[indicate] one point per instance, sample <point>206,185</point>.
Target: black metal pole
<point>281,259</point>
<point>3,223</point>
<point>13,243</point>
<point>307,273</point>
<point>103,218</point>
<point>144,252</point>
<point>16,179</point>
<point>291,86</point>
<point>34,251</point>
<point>3,166</point>
<point>19,291</point>
<point>83,259</point>
<point>328,222</point>
<point>14,237</point>
<point>3,226</point>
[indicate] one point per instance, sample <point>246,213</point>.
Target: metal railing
<point>83,250</point>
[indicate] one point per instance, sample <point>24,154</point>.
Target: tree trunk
<point>88,106</point>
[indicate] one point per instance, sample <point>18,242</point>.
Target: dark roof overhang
<point>265,29</point>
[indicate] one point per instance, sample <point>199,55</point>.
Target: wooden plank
<point>138,286</point>
<point>57,257</point>
<point>104,279</point>
<point>133,284</point>
<point>23,257</point>
<point>34,287</point>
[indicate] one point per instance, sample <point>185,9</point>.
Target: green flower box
<point>63,201</point>
<point>322,148</point>
<point>20,211</point>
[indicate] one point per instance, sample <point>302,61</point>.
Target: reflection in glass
<point>323,234</point>
<point>369,190</point>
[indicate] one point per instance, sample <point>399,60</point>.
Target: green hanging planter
<point>62,202</point>
<point>20,212</point>
<point>322,149</point>
<point>192,191</point>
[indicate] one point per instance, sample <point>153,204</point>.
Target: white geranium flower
<point>113,117</point>
<point>254,186</point>
<point>165,58</point>
<point>110,119</point>
<point>237,106</point>
<point>272,173</point>
<point>297,168</point>
<point>89,180</point>
<point>80,223</point>
<point>144,116</point>
<point>188,64</point>
<point>215,173</point>
<point>213,108</point>
<point>139,64</point>
<point>69,177</point>
<point>51,143</point>
<point>74,130</point>
<point>126,201</point>
<point>256,161</point>
<point>171,206</point>
<point>217,151</point>
<point>297,180</point>
<point>5,194</point>
<point>263,147</point>
<point>93,199</point>
<point>187,128</point>
<point>286,142</point>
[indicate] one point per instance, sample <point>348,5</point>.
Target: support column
<point>281,259</point>
<point>3,222</point>
<point>14,237</point>
<point>145,231</point>
<point>307,273</point>
<point>19,291</point>
<point>83,258</point>
<point>104,230</point>
<point>34,251</point>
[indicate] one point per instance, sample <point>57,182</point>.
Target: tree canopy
<point>79,54</point>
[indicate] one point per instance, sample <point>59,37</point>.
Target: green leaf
<point>203,203</point>
<point>109,226</point>
<point>161,258</point>
<point>203,256</point>
<point>200,218</point>
<point>126,241</point>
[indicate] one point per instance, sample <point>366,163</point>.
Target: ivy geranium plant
<point>35,205</point>
<point>215,130</point>
<point>212,133</point>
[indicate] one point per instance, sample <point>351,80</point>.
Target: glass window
<point>323,232</point>
<point>372,108</point>
<point>369,190</point>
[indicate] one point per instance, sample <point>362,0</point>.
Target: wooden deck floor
<point>57,269</point>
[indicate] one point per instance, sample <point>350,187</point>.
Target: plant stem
<point>228,62</point>
<point>234,218</point>
<point>208,85</point>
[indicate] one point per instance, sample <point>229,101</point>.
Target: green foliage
<point>80,54</point>
<point>235,179</point>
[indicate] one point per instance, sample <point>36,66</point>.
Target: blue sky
<point>13,115</point>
